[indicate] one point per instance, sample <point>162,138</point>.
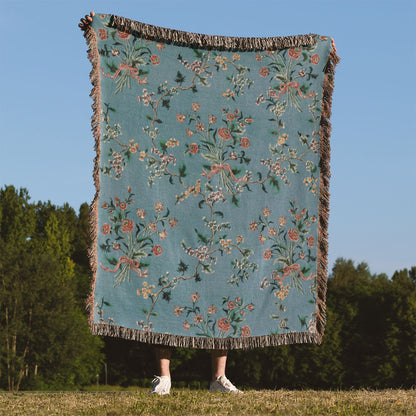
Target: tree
<point>17,224</point>
<point>43,330</point>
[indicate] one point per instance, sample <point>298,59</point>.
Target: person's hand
<point>86,21</point>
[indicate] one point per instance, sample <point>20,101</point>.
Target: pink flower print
<point>158,206</point>
<point>298,217</point>
<point>127,226</point>
<point>194,297</point>
<point>104,205</point>
<point>102,33</point>
<point>123,35</point>
<point>189,132</point>
<point>282,221</point>
<point>180,117</point>
<point>250,307</point>
<point>315,59</point>
<point>116,246</point>
<point>212,310</point>
<point>163,234</point>
<point>200,126</point>
<point>198,318</point>
<point>262,239</point>
<point>155,60</point>
<point>186,326</point>
<point>147,98</point>
<point>293,234</point>
<point>224,133</point>
<point>258,57</point>
<point>245,331</point>
<point>311,241</point>
<point>230,305</point>
<point>266,212</point>
<point>313,219</point>
<point>157,250</point>
<point>230,116</point>
<point>212,119</point>
<point>195,107</point>
<point>106,228</point>
<point>267,254</point>
<point>245,142</point>
<point>295,53</point>
<point>253,226</point>
<point>193,148</point>
<point>141,213</point>
<point>152,226</point>
<point>177,310</point>
<point>272,232</point>
<point>264,71</point>
<point>173,222</point>
<point>224,324</point>
<point>122,205</point>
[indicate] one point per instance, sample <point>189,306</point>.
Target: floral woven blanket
<point>209,223</point>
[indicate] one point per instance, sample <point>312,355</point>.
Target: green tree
<point>45,341</point>
<point>400,340</point>
<point>17,225</point>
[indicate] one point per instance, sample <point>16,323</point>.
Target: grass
<point>201,402</point>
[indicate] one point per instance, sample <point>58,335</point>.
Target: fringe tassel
<point>106,329</point>
<point>208,41</point>
<point>94,58</point>
<point>325,133</point>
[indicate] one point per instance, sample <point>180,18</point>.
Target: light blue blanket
<point>210,217</point>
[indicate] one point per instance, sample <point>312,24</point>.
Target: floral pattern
<point>209,183</point>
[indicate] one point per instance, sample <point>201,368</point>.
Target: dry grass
<point>201,402</point>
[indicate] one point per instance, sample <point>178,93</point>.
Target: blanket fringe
<point>169,340</point>
<point>94,58</point>
<point>325,174</point>
<point>209,41</point>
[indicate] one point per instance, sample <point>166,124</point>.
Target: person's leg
<point>218,363</point>
<point>162,383</point>
<point>219,381</point>
<point>163,359</point>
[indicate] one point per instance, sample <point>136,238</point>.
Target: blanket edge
<point>169,340</point>
<point>325,174</point>
<point>209,41</point>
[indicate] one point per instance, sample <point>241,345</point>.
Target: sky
<point>46,144</point>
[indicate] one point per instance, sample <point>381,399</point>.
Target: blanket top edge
<point>210,41</point>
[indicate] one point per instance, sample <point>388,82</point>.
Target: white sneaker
<point>161,385</point>
<point>223,385</point>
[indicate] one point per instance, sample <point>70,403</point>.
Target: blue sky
<point>46,145</point>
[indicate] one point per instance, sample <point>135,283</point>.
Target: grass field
<point>201,402</point>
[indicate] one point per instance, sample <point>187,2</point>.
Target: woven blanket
<point>209,223</point>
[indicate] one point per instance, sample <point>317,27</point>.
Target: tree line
<point>45,343</point>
